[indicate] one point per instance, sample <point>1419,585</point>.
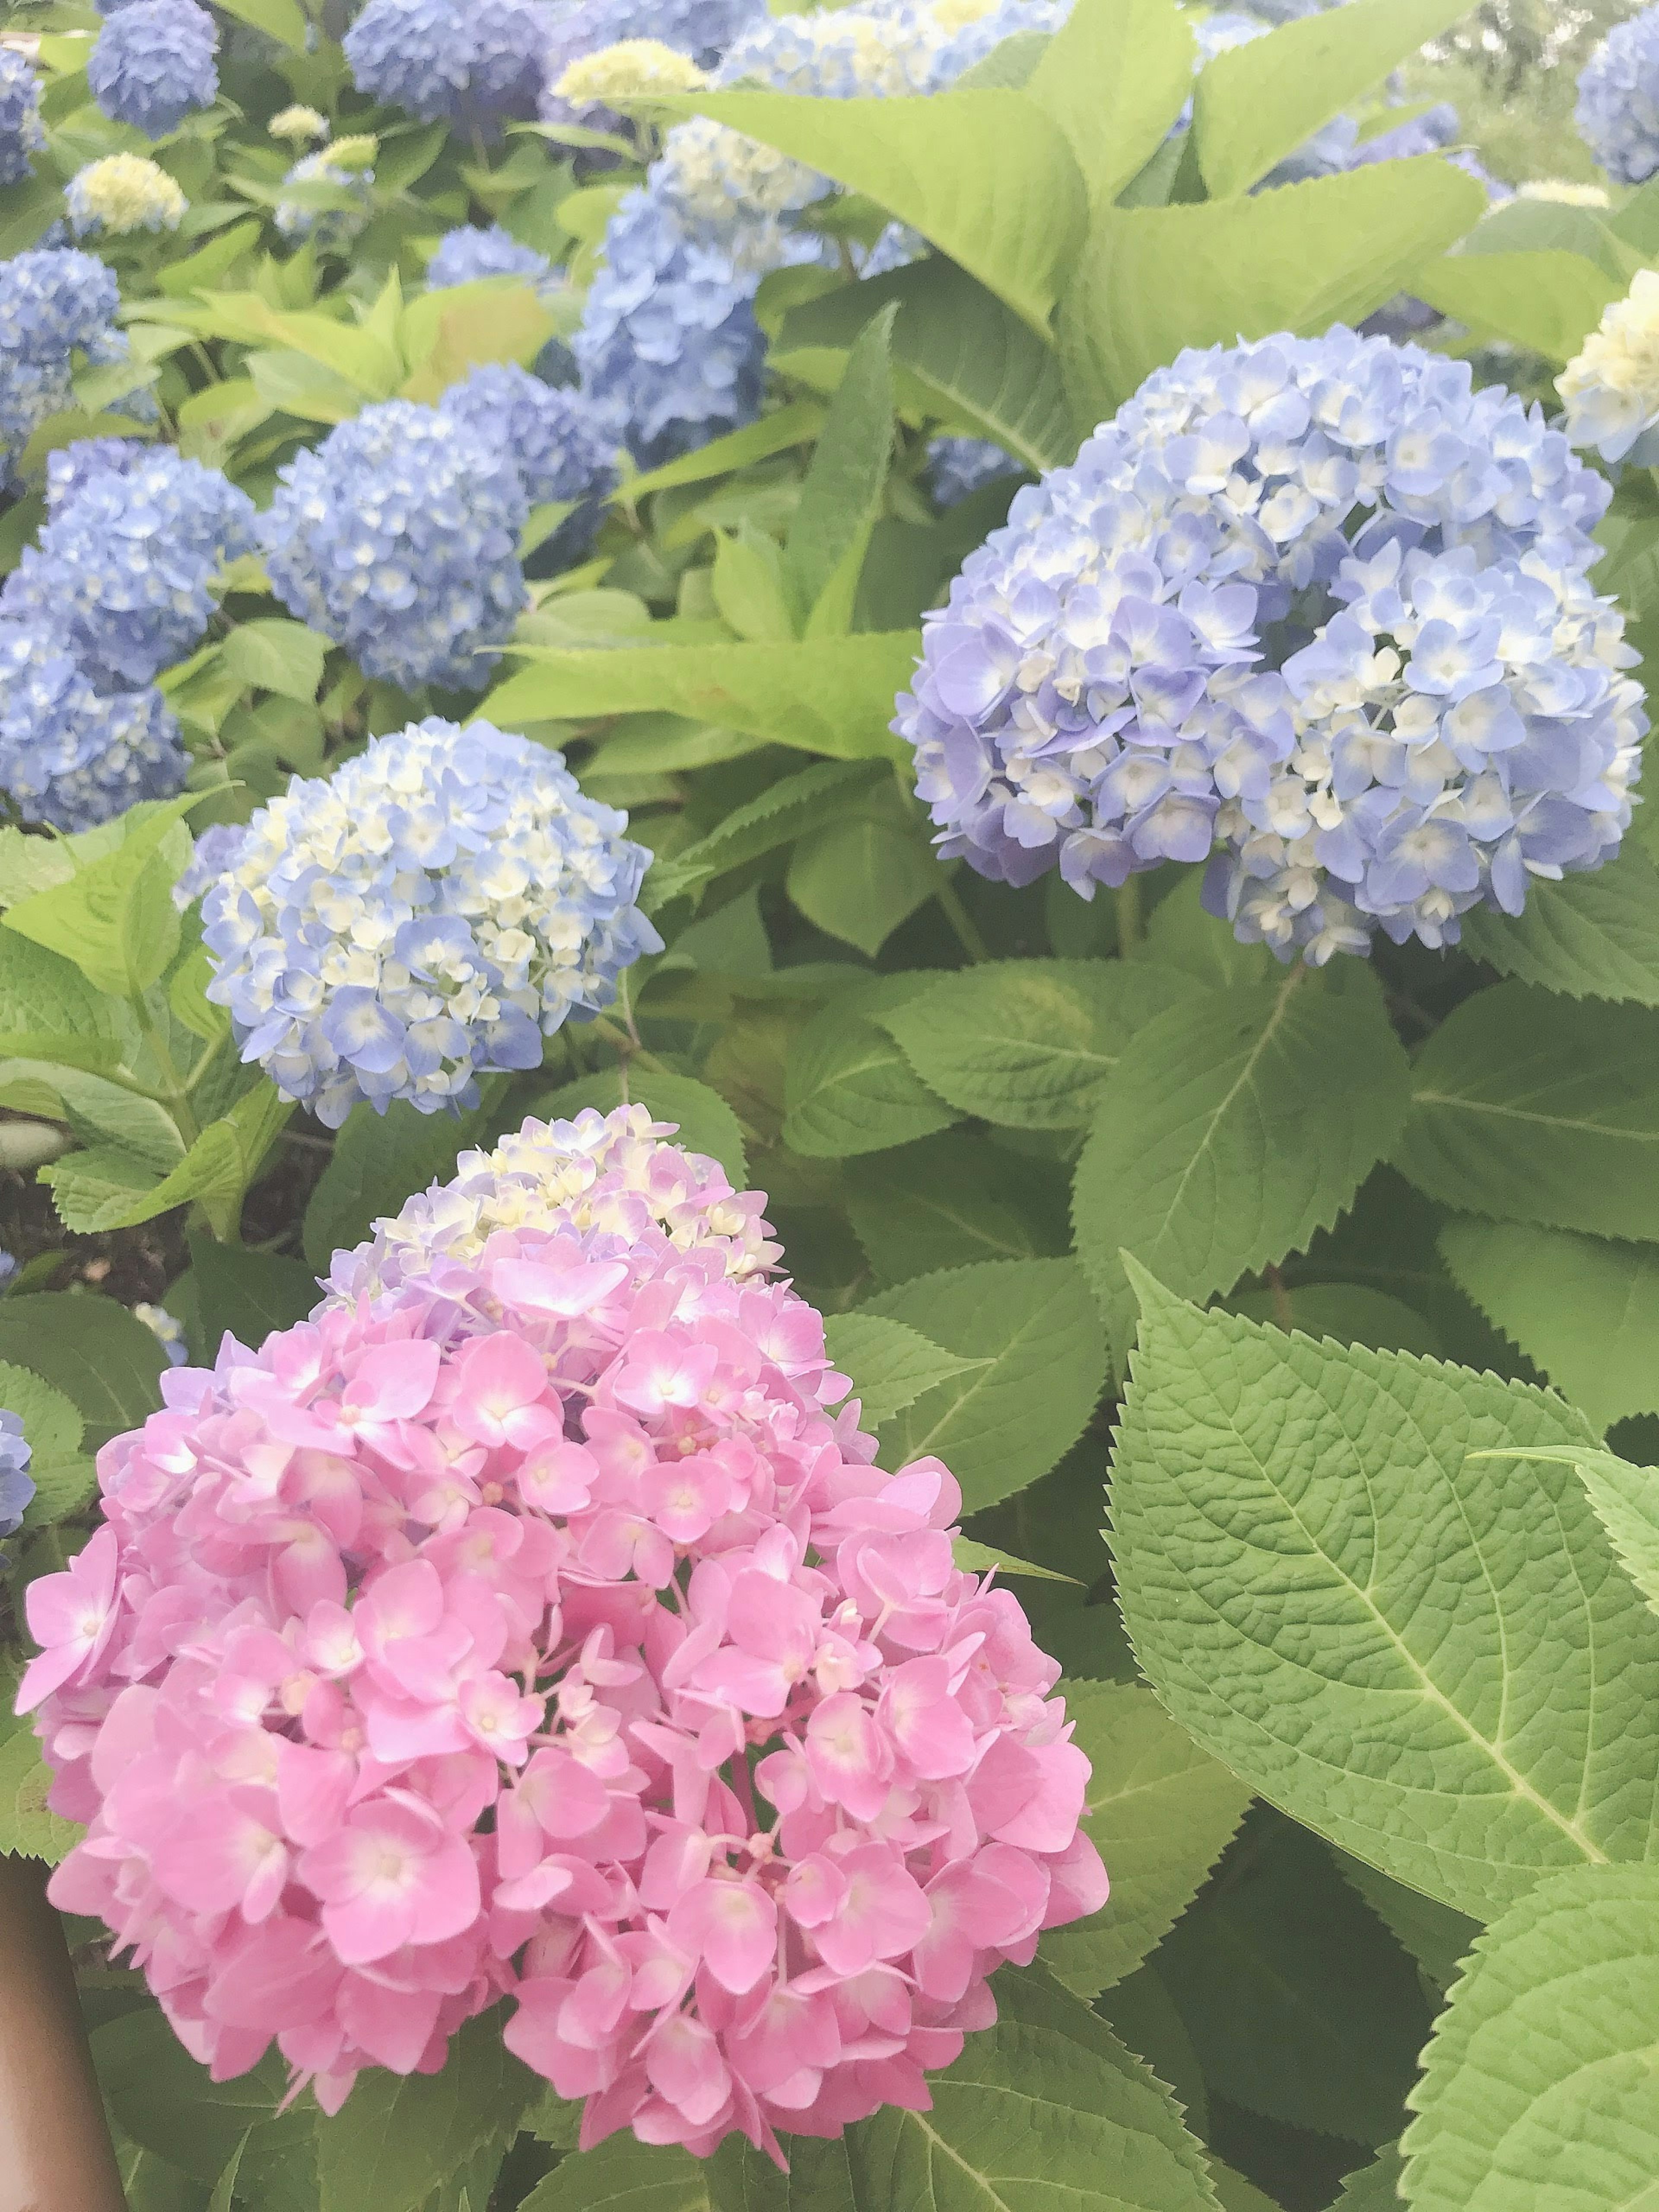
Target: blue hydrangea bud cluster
<point>430,914</point>
<point>55,303</point>
<point>465,255</point>
<point>957,467</point>
<point>17,1484</point>
<point>331,230</point>
<point>472,62</point>
<point>1618,110</point>
<point>122,569</point>
<point>398,537</point>
<point>1316,605</point>
<point>153,63</point>
<point>562,443</point>
<point>213,854</point>
<point>72,756</point>
<point>21,131</point>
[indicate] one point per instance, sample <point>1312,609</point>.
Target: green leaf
<point>378,1160</point>
<point>848,1088</point>
<point>1299,259</point>
<point>796,424</point>
<point>114,918</point>
<point>822,694</point>
<point>1256,103</point>
<point>1350,1313</point>
<point>783,812</point>
<point>954,1198</point>
<point>1299,2002</point>
<point>622,2175</point>
<point>1115,77</point>
<point>858,879</point>
<point>294,383</point>
<point>64,1478</point>
<point>48,1010</point>
<point>1232,1128</point>
<point>1433,1659</point>
<point>106,1364</point>
<point>1160,1813</point>
<point>1013,223</point>
<point>1625,1499</point>
<point>1436,1937</point>
<point>845,482</point>
<point>107,1187</point>
<point>1032,1043</point>
<point>984,368</point>
<point>1548,302</point>
<point>1591,936</point>
<point>980,1559</point>
<point>1537,2093</point>
<point>448,333</point>
<point>705,1122</point>
<point>890,1365</point>
<point>250,1294</point>
<point>32,208</point>
<point>204,269</point>
<point>1585,1311</point>
<point>748,586</point>
<point>1374,2188</point>
<point>26,1828</point>
<point>1531,1108</point>
<point>278,19</point>
<point>1000,1426</point>
<point>277,656</point>
<point>394,2136</point>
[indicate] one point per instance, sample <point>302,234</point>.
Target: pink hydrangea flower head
<point>546,1636</point>
<point>614,1171</point>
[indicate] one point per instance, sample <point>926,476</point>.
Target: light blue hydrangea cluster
<point>54,302</point>
<point>72,756</point>
<point>703,29</point>
<point>957,467</point>
<point>1618,110</point>
<point>465,255</point>
<point>562,443</point>
<point>331,230</point>
<point>429,915</point>
<point>17,1484</point>
<point>21,131</point>
<point>1316,605</point>
<point>471,61</point>
<point>72,467</point>
<point>153,63</point>
<point>398,537</point>
<point>122,569</point>
<point>213,854</point>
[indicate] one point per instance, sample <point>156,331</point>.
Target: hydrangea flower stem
<point>628,1049</point>
<point>963,925</point>
<point>1130,928</point>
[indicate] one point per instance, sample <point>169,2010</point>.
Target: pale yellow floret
<point>127,192</point>
<point>955,15</point>
<point>299,125</point>
<point>1622,355</point>
<point>1564,192</point>
<point>629,70</point>
<point>357,153</point>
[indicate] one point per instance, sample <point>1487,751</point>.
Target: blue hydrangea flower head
<point>69,755</point>
<point>17,1484</point>
<point>21,131</point>
<point>56,302</point>
<point>121,193</point>
<point>472,62</point>
<point>72,467</point>
<point>562,445</point>
<point>7,1266</point>
<point>1617,110</point>
<point>431,913</point>
<point>1315,606</point>
<point>465,254</point>
<point>398,537</point>
<point>153,63</point>
<point>123,568</point>
<point>331,230</point>
<point>215,852</point>
<point>959,466</point>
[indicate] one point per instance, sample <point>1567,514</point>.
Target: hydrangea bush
<point>827,950</point>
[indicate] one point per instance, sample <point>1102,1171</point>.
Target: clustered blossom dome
<point>153,63</point>
<point>54,302</point>
<point>398,537</point>
<point>21,131</point>
<point>1317,603</point>
<point>471,61</point>
<point>1612,388</point>
<point>629,69</point>
<point>328,195</point>
<point>124,564</point>
<point>427,914</point>
<point>465,254</point>
<point>72,756</point>
<point>614,1172</point>
<point>562,443</point>
<point>120,193</point>
<point>1617,110</point>
<point>453,1644</point>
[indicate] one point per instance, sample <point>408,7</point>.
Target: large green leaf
<point>841,495</point>
<point>1032,1043</point>
<point>953,1197</point>
<point>1438,1937</point>
<point>1434,1659</point>
<point>1232,1128</point>
<point>1115,77</point>
<point>28,1830</point>
<point>107,1186</point>
<point>246,1291</point>
<point>858,879</point>
<point>1300,259</point>
<point>622,2175</point>
<point>1538,2088</point>
<point>1626,1503</point>
<point>820,695</point>
<point>1585,1311</point>
<point>848,1088</point>
<point>49,1010</point>
<point>114,918</point>
<point>1530,1107</point>
<point>1590,935</point>
<point>1014,222</point>
<point>986,369</point>
<point>1000,1425</point>
<point>889,1365</point>
<point>812,799</point>
<point>1256,103</point>
<point>1161,1812</point>
<point>106,1364</point>
<point>1547,303</point>
<point>64,1478</point>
